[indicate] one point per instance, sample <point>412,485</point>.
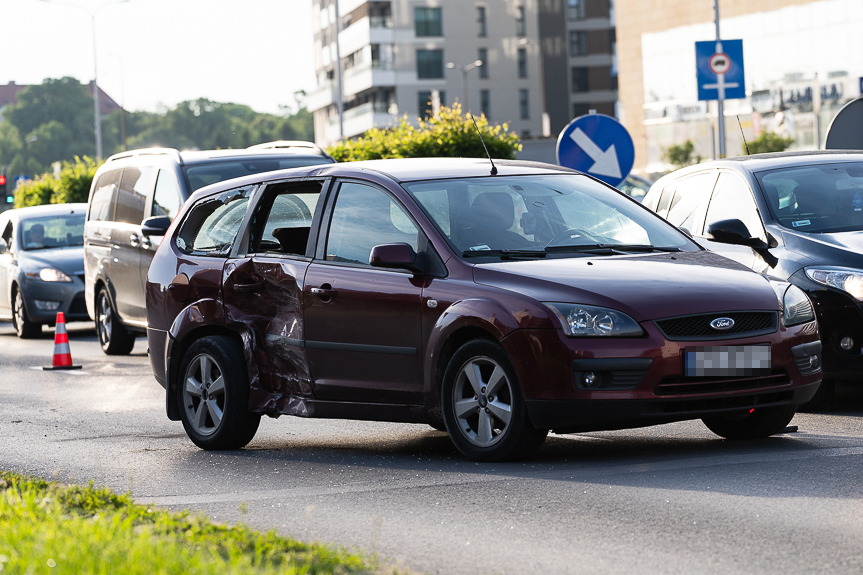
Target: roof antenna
<point>493,167</point>
<point>744,136</point>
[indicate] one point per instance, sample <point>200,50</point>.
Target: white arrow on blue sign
<point>597,145</point>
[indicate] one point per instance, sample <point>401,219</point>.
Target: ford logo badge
<point>722,323</point>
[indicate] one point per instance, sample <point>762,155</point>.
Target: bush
<point>681,155</point>
<point>72,186</point>
<point>450,134</point>
<point>768,142</point>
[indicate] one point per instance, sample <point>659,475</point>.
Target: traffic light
<point>5,194</point>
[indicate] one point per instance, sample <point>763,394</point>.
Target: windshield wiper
<point>505,253</point>
<point>603,249</point>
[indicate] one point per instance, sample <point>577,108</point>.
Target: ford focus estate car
<point>497,304</point>
<point>796,216</point>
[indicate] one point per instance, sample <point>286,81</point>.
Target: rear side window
<point>166,198</point>
<point>690,201</point>
<point>288,210</point>
<point>135,184</point>
<point>213,224</point>
<point>102,202</point>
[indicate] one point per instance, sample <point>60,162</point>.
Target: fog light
<point>847,344</point>
<point>46,305</point>
<point>813,362</point>
<point>591,379</point>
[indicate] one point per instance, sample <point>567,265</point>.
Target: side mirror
<point>155,226</point>
<point>4,247</point>
<point>395,256</point>
<point>734,232</point>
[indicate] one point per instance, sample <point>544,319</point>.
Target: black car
<point>42,266</point>
<point>134,197</point>
<point>796,216</point>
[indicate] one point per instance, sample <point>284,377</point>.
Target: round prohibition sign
<point>719,63</point>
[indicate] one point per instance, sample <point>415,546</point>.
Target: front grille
<point>78,306</point>
<point>717,403</point>
<point>697,327</point>
<point>678,385</point>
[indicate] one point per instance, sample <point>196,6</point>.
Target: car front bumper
<point>68,297</point>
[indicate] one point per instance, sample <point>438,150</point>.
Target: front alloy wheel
<point>25,328</point>
<point>483,401</point>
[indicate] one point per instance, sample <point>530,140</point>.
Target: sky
<point>156,53</point>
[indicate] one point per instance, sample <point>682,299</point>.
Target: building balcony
<point>321,96</point>
<point>368,75</point>
<point>366,31</point>
<point>360,120</point>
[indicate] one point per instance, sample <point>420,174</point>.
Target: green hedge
<point>72,186</point>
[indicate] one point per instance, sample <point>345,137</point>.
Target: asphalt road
<point>667,499</point>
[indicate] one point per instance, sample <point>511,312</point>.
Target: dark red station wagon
<point>497,305</point>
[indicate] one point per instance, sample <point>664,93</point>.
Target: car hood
<point>69,260</point>
<point>646,287</point>
<point>834,249</point>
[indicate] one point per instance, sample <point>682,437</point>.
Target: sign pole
<point>720,115</point>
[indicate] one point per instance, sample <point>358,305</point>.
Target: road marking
<point>448,479</point>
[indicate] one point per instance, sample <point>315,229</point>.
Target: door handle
<point>249,287</point>
<point>324,293</point>
<point>133,240</point>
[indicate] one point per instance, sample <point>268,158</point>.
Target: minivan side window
<point>733,200</point>
<point>363,218</point>
<point>102,202</point>
<point>687,207</point>
<point>135,184</point>
<point>166,198</point>
<point>213,224</point>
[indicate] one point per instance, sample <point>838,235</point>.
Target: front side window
<point>428,22</point>
<point>135,184</point>
<point>365,217</point>
<point>429,63</point>
<point>213,224</point>
<point>166,198</point>
<point>53,232</point>
<point>541,214</point>
<point>102,202</point>
<point>732,199</point>
<point>817,198</point>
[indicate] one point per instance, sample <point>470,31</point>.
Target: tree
<point>72,186</point>
<point>768,142</point>
<point>681,155</point>
<point>450,134</point>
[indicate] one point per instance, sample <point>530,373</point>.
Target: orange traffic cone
<point>62,353</point>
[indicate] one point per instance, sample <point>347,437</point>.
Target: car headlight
<point>848,280</point>
<point>53,275</point>
<point>796,307</point>
<point>590,321</point>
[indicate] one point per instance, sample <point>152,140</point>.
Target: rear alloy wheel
<point>214,395</point>
<point>114,338</point>
<point>483,408</point>
<point>752,424</point>
<point>25,328</point>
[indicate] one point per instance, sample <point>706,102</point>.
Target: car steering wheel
<point>570,234</point>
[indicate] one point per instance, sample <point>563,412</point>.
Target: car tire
<point>25,328</point>
<point>757,423</point>
<point>822,398</point>
<point>480,391</point>
<point>213,395</point>
<point>113,336</point>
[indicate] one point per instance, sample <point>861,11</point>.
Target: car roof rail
<point>148,152</point>
<point>283,144</point>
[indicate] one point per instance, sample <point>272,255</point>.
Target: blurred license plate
<point>727,360</point>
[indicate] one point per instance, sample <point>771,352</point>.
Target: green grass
<point>50,528</point>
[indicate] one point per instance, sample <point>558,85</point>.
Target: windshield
<point>541,214</point>
<point>200,175</point>
<point>816,198</point>
<point>52,232</point>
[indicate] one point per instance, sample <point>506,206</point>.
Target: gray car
<point>42,266</point>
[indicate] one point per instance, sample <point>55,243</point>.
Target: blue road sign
<point>719,67</point>
<point>598,145</point>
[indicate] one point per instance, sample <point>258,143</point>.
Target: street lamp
<point>97,126</point>
<point>464,70</point>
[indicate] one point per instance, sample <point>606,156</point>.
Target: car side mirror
<point>4,247</point>
<point>155,226</point>
<point>734,232</point>
<point>395,256</point>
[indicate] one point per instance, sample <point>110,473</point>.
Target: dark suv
<point>134,197</point>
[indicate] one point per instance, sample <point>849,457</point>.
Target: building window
<point>520,22</point>
<point>481,21</point>
<point>522,63</point>
<point>427,21</point>
<point>575,9</point>
<point>485,103</point>
<point>429,63</point>
<point>426,107</point>
<point>577,43</point>
<point>482,54</point>
<point>524,104</point>
<point>579,79</point>
<point>580,110</point>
